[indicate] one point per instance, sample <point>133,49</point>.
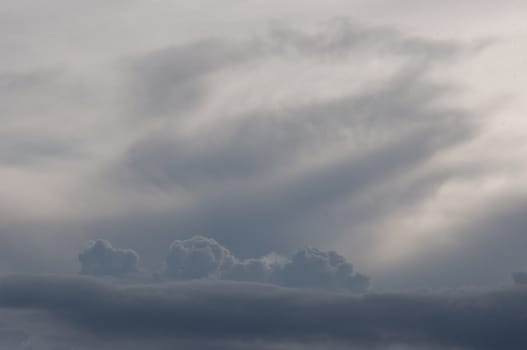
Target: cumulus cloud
<point>311,267</point>
<point>200,257</point>
<point>197,257</point>
<point>198,313</point>
<point>100,258</point>
<point>256,269</point>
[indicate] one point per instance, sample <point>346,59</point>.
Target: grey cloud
<point>24,150</point>
<point>251,208</point>
<point>171,80</point>
<point>200,257</point>
<point>38,246</point>
<point>488,246</point>
<point>252,270</point>
<point>265,141</point>
<point>342,36</point>
<point>100,258</point>
<point>520,278</point>
<point>41,92</point>
<point>200,313</point>
<point>197,257</point>
<point>255,212</point>
<point>314,268</point>
<point>14,85</point>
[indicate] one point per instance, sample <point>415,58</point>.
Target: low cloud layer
<point>101,259</point>
<point>198,314</point>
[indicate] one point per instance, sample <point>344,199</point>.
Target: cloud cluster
<point>100,259</point>
<point>200,257</point>
<point>233,315</point>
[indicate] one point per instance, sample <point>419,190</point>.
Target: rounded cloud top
<point>197,257</point>
<point>200,257</point>
<point>101,259</point>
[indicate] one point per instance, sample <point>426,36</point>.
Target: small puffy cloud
<point>314,268</point>
<point>197,257</point>
<point>101,259</point>
<point>200,257</point>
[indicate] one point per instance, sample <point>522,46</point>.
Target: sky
<point>242,174</point>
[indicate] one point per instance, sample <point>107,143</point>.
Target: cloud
<point>221,313</point>
<point>494,231</point>
<point>100,259</point>
<point>520,278</point>
<point>261,141</point>
<point>197,257</point>
<point>171,80</point>
<point>254,270</point>
<point>266,181</point>
<point>27,150</point>
<point>204,258</point>
<point>311,267</point>
<point>340,36</point>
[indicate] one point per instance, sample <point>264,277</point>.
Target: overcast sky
<point>273,151</point>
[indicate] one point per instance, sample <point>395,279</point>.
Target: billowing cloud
<point>201,258</point>
<point>100,258</point>
<point>197,257</point>
<point>315,268</point>
<point>197,314</point>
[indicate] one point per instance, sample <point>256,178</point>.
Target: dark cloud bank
<point>204,258</point>
<point>243,315</point>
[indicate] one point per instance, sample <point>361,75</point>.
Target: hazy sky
<point>355,146</point>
